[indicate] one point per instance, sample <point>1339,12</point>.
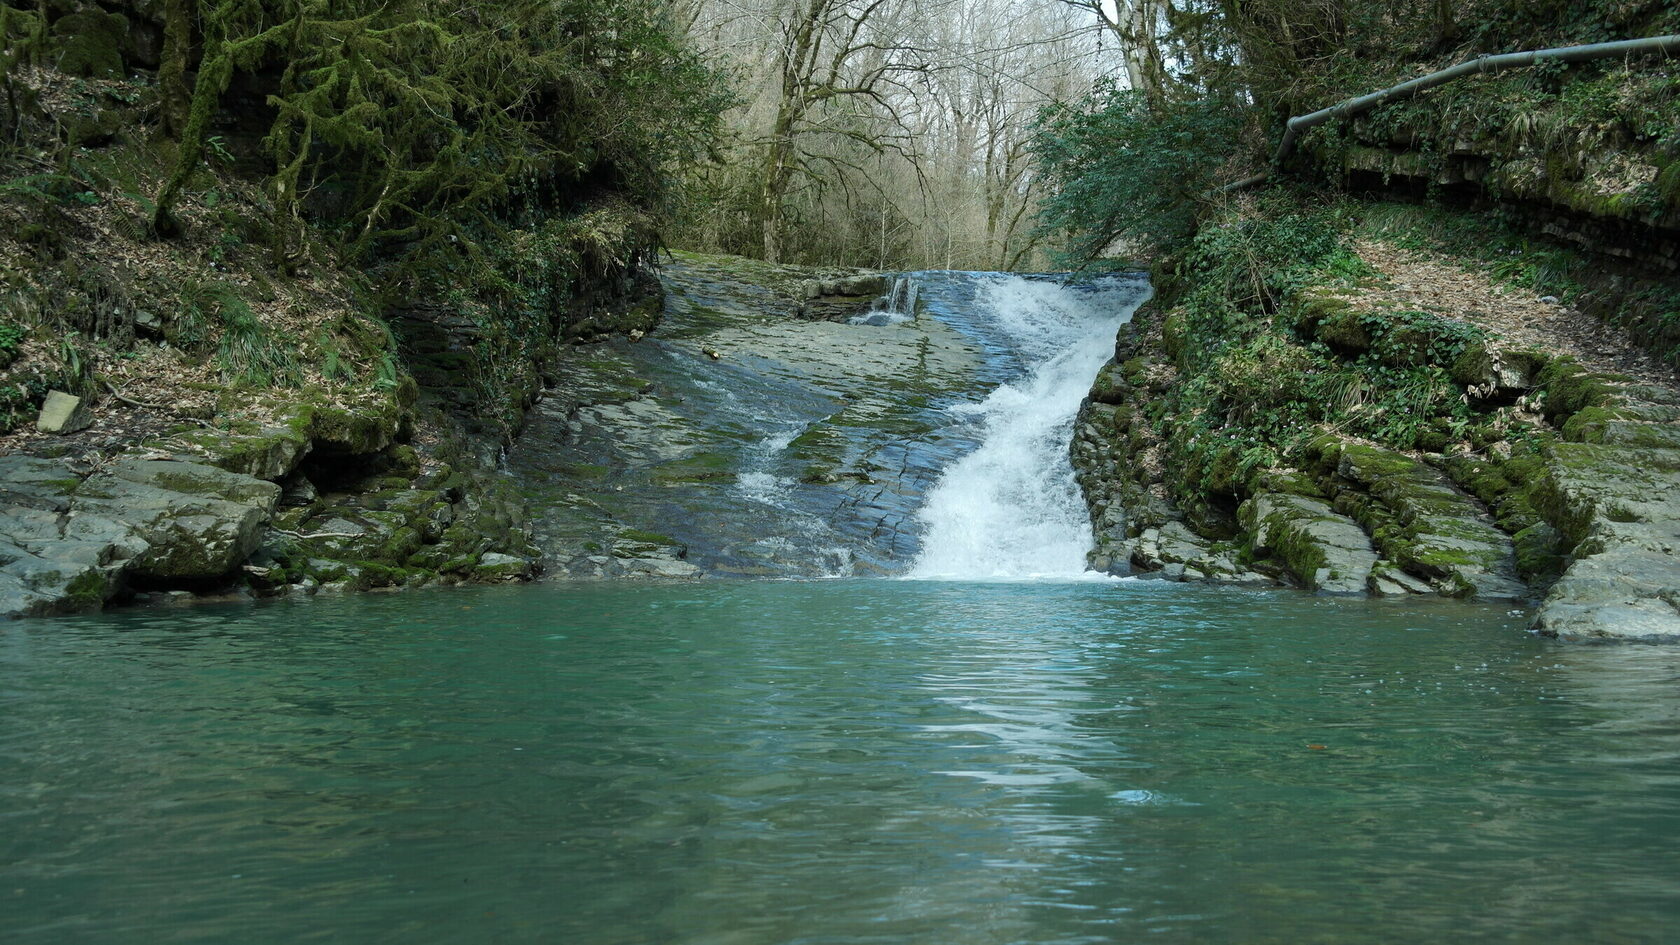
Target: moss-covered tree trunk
<point>175,95</point>
<point>778,173</point>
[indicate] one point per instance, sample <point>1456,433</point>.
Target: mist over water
<point>1011,508</point>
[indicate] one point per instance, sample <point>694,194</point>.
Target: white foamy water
<point>1011,509</point>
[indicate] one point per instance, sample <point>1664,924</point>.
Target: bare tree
<point>889,133</point>
<point>833,54</point>
<point>1138,26</point>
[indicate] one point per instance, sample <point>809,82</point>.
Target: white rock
<point>64,413</point>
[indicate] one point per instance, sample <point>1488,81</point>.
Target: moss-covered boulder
<point>89,43</point>
<point>1111,386</point>
<point>270,453</point>
<point>195,522</point>
<point>1493,371</point>
<point>1326,551</point>
<point>1571,388</point>
<point>1345,330</point>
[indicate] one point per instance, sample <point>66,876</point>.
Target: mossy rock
<point>1346,331</point>
<point>201,481</point>
<point>1287,482</point>
<point>1326,551</point>
<point>1111,386</point>
<point>495,568</point>
<point>89,43</point>
<point>372,574</point>
<point>705,467</point>
<point>1176,336</point>
<point>444,559</point>
<point>1420,521</point>
<point>1541,552</point>
<point>350,432</point>
<point>87,592</point>
<point>271,453</point>
<point>1212,520</point>
<point>1324,450</point>
<point>1483,364</point>
<point>640,537</point>
<point>1481,477</point>
<point>1616,426</point>
<point>1223,477</point>
<point>1311,308</point>
<point>98,129</point>
<point>402,461</point>
<point>1474,365</point>
<point>402,543</point>
<point>1571,388</point>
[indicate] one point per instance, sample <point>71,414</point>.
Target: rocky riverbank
<point>1372,435</point>
<point>211,386</point>
<point>650,453</point>
<point>295,498</point>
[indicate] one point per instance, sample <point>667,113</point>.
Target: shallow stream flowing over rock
<point>741,439</point>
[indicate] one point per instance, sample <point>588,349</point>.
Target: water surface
<point>838,762</point>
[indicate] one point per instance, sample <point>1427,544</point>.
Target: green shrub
<point>1121,168</point>
<point>11,341</point>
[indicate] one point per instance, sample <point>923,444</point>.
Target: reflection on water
<point>840,762</point>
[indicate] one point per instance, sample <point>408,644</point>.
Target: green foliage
<point>1254,261</point>
<point>335,365</point>
<point>1119,168</point>
<point>16,406</point>
<point>246,351</point>
<point>418,131</point>
<point>1410,338</point>
<point>1258,385</point>
<point>20,32</point>
<point>249,353</point>
<point>11,340</point>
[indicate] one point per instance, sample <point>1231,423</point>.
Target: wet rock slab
<point>1622,507</point>
<point>751,439</point>
<point>69,543</point>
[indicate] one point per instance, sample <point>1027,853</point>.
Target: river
<point>984,746</point>
<point>839,762</point>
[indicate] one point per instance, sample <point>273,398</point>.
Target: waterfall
<point>1011,508</point>
<point>895,308</point>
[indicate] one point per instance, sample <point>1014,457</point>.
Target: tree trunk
<point>172,72</point>
<point>778,171</point>
<point>1145,67</point>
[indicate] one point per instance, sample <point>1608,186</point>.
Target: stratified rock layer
<point>1588,522</point>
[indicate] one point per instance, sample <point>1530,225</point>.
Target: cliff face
<point>1446,366</point>
<point>1345,400</point>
